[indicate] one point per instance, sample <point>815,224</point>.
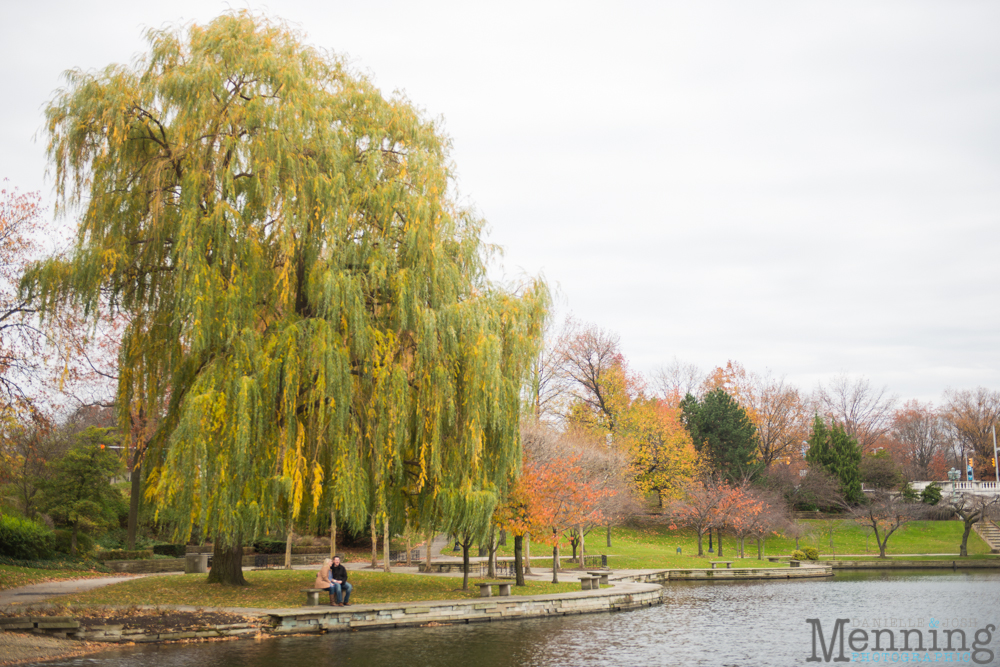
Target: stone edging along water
<point>911,564</point>
<point>633,591</point>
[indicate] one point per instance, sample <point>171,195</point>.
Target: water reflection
<point>745,624</point>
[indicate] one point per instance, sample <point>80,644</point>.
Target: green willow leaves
<point>310,313</point>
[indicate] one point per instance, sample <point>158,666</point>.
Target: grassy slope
<point>654,545</point>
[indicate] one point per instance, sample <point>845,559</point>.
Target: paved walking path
<point>35,593</point>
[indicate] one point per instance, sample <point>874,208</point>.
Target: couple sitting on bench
<point>333,577</point>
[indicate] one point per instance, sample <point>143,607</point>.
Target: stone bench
<point>729,563</point>
<point>486,588</point>
<point>794,563</point>
<point>312,595</point>
<point>603,574</point>
<point>589,582</point>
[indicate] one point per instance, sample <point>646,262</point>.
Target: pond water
<point>723,624</point>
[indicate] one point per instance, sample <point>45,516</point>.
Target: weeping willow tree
<point>310,316</point>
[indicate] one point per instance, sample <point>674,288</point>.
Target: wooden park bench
<point>729,563</point>
<point>603,575</point>
<point>312,595</point>
<point>486,588</point>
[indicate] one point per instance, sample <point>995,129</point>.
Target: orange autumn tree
<point>557,491</point>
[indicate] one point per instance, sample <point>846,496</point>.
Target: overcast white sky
<point>806,187</point>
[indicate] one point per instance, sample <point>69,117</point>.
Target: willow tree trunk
<point>466,544</point>
<point>374,532</point>
<point>288,547</point>
<point>133,500</point>
<point>427,551</point>
<point>385,543</point>
<point>227,563</point>
<point>518,560</point>
<point>333,533</point>
<point>409,558</point>
<point>491,567</point>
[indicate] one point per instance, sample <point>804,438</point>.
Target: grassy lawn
<point>918,558</point>
<point>652,547</point>
<point>655,546</point>
<point>276,589</point>
<point>12,576</point>
<point>918,537</point>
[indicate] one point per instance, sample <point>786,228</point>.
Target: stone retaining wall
<point>155,565</point>
<point>664,576</point>
<point>69,627</point>
<point>150,566</point>
<point>911,564</point>
<point>335,619</point>
<point>115,633</point>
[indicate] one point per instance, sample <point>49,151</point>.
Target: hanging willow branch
<point>309,307</point>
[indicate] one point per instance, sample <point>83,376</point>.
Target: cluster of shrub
<point>805,553</point>
<point>22,539</point>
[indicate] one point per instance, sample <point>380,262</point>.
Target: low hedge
<point>269,547</point>
<point>171,550</point>
<point>277,547</point>
<point>125,554</point>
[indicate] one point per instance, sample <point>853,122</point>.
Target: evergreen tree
<point>723,433</point>
<point>309,307</point>
<point>79,495</point>
<point>839,454</point>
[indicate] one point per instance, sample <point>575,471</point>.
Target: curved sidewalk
<point>35,593</point>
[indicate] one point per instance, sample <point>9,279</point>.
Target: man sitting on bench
<point>339,585</point>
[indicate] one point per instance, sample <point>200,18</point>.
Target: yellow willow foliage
<point>309,310</point>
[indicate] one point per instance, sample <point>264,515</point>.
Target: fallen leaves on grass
<point>279,589</point>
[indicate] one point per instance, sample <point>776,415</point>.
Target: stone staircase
<point>990,532</point>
